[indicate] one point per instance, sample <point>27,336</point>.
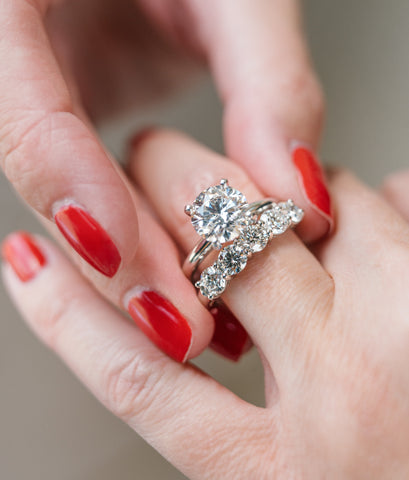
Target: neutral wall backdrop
<point>51,428</point>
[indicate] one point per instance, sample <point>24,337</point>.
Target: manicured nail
<point>21,252</point>
<point>230,339</point>
<point>312,181</point>
<point>88,239</point>
<point>162,323</point>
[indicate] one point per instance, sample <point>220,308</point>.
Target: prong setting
<point>217,213</point>
<point>189,210</point>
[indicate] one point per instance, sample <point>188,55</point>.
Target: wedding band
<point>204,246</point>
<point>223,218</point>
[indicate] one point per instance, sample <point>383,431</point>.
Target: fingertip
<point>230,339</point>
<point>180,336</point>
<point>140,136</point>
<point>21,252</point>
<point>315,226</point>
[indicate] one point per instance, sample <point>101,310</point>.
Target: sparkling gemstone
<point>295,213</point>
<point>212,282</point>
<point>276,221</point>
<point>232,259</point>
<point>254,238</point>
<point>217,213</point>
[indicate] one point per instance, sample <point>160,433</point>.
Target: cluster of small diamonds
<point>253,238</point>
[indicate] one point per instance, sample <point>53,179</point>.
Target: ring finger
<point>278,291</point>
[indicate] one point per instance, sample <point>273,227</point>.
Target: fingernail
<point>312,181</point>
<point>21,252</point>
<point>88,239</point>
<point>230,338</point>
<point>162,323</point>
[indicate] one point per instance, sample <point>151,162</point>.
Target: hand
<point>68,62</point>
<point>331,328</point>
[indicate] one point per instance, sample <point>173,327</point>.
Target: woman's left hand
<point>331,326</point>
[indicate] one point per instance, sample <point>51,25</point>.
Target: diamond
<point>212,282</point>
<point>254,238</point>
<point>295,213</point>
<point>232,259</point>
<point>275,220</point>
<point>217,213</point>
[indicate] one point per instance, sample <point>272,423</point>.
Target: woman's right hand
<point>331,327</point>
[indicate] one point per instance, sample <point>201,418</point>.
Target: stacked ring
<point>226,222</point>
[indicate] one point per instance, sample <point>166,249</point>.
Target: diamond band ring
<point>226,222</point>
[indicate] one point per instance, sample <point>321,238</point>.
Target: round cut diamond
<point>232,259</point>
<point>295,213</point>
<point>217,213</point>
<point>275,220</point>
<point>254,238</point>
<point>212,282</point>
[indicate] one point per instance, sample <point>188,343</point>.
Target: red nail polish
<point>89,239</point>
<point>162,323</point>
<point>230,339</point>
<point>24,256</point>
<point>312,181</point>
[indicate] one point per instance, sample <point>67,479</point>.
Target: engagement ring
<point>226,222</point>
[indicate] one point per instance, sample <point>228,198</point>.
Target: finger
<point>55,162</point>
<point>273,101</point>
<point>60,168</point>
<point>162,400</point>
<point>395,190</point>
<point>273,294</point>
<point>366,229</point>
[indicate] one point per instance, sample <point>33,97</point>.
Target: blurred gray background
<point>51,428</point>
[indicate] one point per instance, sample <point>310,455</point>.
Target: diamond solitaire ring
<point>226,222</point>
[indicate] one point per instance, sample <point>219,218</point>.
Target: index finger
<point>53,159</point>
<point>273,102</point>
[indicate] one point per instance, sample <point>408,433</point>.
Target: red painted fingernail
<point>312,181</point>
<point>24,256</point>
<point>230,339</point>
<point>162,323</point>
<point>89,239</point>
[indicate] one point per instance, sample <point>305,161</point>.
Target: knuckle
<point>27,143</point>
<point>18,141</point>
<point>130,383</point>
<point>53,315</point>
<point>305,86</point>
<point>303,89</point>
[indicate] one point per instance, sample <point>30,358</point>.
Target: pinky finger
<point>179,410</point>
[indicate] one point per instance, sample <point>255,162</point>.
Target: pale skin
<point>331,325</point>
<point>71,63</point>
